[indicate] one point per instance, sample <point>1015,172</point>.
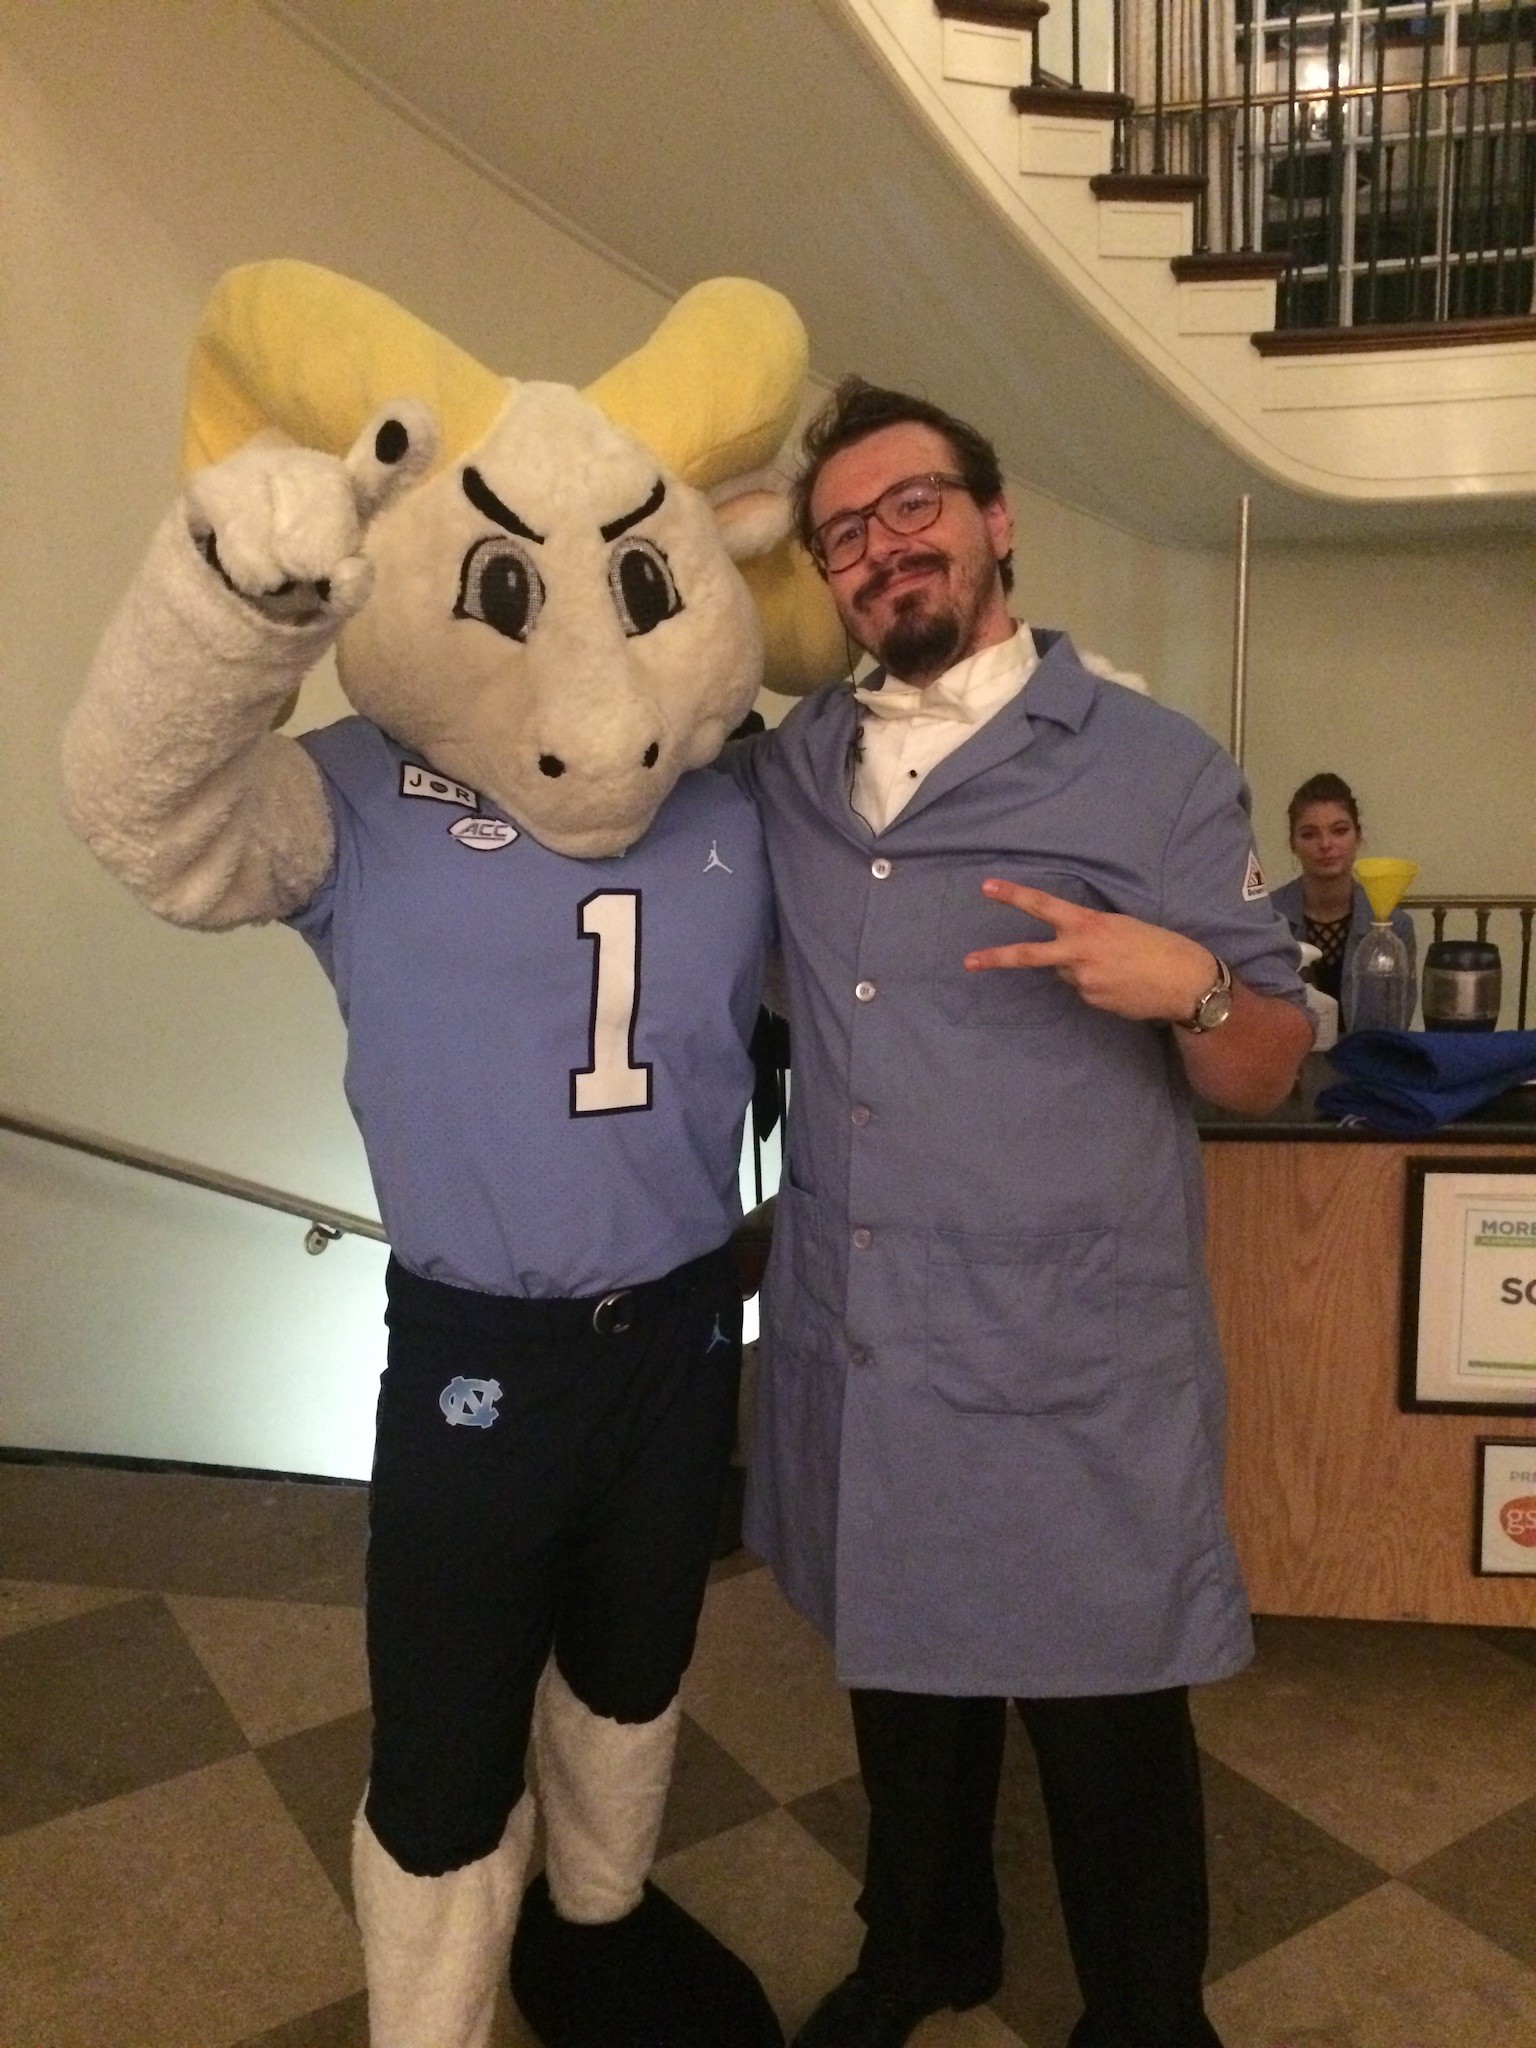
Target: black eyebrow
<point>484,499</point>
<point>617,526</point>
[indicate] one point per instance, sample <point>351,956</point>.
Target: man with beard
<point>1022,922</point>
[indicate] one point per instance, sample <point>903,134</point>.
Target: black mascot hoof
<point>655,1979</point>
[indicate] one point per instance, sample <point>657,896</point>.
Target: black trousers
<point>547,1479</point>
<point>1121,1781</point>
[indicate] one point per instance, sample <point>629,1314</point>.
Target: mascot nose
<point>551,765</point>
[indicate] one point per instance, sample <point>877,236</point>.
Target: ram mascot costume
<point>546,929</point>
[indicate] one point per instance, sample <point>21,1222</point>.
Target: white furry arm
<point>172,773</point>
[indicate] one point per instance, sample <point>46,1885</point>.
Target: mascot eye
<point>643,591</point>
<point>500,586</point>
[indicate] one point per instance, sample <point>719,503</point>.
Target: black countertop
<point>1508,1120</point>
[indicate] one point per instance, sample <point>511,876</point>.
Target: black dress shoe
<point>863,2013</point>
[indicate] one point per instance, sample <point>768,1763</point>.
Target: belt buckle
<point>604,1316</point>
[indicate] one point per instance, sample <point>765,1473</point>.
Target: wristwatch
<point>1215,1006</point>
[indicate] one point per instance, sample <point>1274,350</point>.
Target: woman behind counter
<point>1325,906</point>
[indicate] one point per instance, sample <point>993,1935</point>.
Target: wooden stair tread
<point>1070,102</point>
<point>1348,341</point>
<point>1151,185</point>
<point>1214,267</point>
<point>1024,14</point>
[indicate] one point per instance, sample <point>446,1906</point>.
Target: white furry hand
<point>284,525</point>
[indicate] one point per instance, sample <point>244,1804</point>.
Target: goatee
<point>917,649</point>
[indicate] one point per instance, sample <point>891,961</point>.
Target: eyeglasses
<point>904,508</point>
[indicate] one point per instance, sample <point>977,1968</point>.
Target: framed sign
<point>1469,1287</point>
<point>1504,1508</point>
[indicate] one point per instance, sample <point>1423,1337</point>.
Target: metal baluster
<point>1485,206</point>
<point>1482,922</point>
<point>1203,136</point>
<point>1464,159</point>
<point>1418,168</point>
<point>1077,47</point>
<point>1438,914</point>
<point>1293,162</point>
<point>1034,53</point>
<point>1159,158</point>
<point>1525,962</point>
<point>1121,135</point>
<point>1376,116</point>
<point>1335,167</point>
<point>1506,151</point>
<point>1254,17</point>
<point>1391,192</point>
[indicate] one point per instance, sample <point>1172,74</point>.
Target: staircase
<point>1410,413</point>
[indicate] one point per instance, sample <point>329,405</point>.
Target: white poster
<point>1471,1323</point>
<point>1506,1507</point>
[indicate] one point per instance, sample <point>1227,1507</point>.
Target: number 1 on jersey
<point>612,1080</point>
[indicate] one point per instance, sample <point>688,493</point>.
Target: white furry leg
<point>435,1947</point>
<point>602,1785</point>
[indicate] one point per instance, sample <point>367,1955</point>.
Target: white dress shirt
<point>906,730</point>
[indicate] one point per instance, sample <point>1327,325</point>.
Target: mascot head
<point>558,618</point>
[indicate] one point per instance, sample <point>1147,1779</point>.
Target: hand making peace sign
<point>1114,962</point>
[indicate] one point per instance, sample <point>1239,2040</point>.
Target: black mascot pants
<point>547,1478</point>
<point>1120,1777</point>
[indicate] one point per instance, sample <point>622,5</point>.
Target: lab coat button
<point>862,1240</point>
<point>860,1114</point>
<point>865,991</point>
<point>880,868</point>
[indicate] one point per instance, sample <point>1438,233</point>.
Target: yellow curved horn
<point>717,387</point>
<point>803,636</point>
<point>290,345</point>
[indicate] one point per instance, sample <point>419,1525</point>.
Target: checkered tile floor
<point>183,1737</point>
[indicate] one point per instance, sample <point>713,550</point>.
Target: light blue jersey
<point>547,1057</point>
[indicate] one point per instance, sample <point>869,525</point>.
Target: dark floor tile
<point>320,1775</point>
<point>100,1705</point>
<point>837,1816</point>
<point>1272,1872</point>
<point>338,2026</point>
<point>710,1792</point>
<point>1519,1642</point>
<point>183,1532</point>
<point>1487,1880</point>
<point>1039,1998</point>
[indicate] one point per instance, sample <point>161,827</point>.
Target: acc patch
<point>1254,886</point>
<point>482,835</point>
<point>418,781</point>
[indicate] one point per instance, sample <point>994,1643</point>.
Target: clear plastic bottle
<point>1379,988</point>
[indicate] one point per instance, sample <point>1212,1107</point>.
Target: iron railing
<point>1484,908</point>
<point>1383,152</point>
<point>326,1224</point>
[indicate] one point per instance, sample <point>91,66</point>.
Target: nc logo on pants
<point>469,1404</point>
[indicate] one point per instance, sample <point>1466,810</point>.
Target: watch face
<point>1215,1009</point>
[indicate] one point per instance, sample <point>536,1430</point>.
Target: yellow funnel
<point>1386,882</point>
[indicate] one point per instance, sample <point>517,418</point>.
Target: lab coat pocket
<point>1022,1325</point>
<point>1023,997</point>
<point>797,1289</point>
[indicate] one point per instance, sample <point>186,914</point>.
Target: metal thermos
<point>1463,984</point>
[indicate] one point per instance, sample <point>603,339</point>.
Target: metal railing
<point>1483,908</point>
<point>1382,151</point>
<point>326,1224</point>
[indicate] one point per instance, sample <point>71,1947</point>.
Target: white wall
<point>148,148</point>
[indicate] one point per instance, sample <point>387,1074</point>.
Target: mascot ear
<point>753,516</point>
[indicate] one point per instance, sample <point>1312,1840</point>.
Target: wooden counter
<point>1341,1504</point>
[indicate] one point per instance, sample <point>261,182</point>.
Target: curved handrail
<point>326,1223</point>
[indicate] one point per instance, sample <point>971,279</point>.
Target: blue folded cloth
<point>1411,1081</point>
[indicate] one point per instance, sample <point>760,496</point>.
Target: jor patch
<point>1255,888</point>
<point>418,781</point>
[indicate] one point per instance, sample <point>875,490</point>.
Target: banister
<point>326,1223</point>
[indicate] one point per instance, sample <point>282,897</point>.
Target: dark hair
<point>1322,789</point>
<point>856,410</point>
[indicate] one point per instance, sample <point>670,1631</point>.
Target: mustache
<point>899,565</point>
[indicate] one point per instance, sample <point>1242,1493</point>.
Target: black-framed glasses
<point>903,508</point>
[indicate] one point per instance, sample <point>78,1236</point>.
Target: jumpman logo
<point>469,1404</point>
<point>715,861</point>
<point>716,1335</point>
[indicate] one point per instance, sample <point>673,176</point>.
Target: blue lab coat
<point>988,1450</point>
